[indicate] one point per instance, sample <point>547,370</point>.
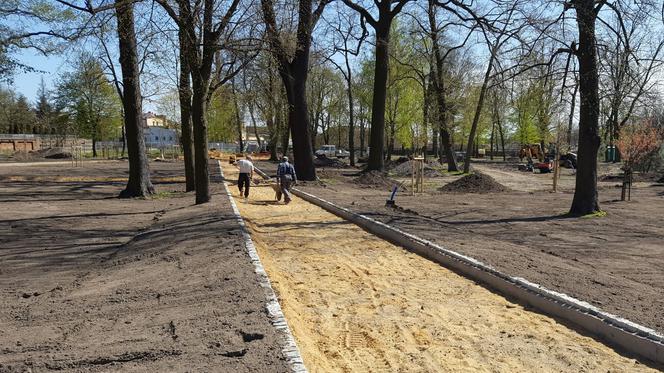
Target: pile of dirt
<point>52,153</point>
<point>376,178</point>
<point>474,183</point>
<point>323,161</point>
<point>406,169</point>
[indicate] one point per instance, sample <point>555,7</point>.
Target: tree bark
<point>298,122</point>
<point>502,135</point>
<point>439,87</point>
<point>272,125</point>
<point>351,115</point>
<point>285,134</point>
<point>294,72</point>
<point>493,131</point>
<point>571,116</point>
<point>139,184</point>
<point>238,119</point>
<point>124,138</point>
<point>382,66</point>
<point>253,122</point>
<point>184,94</point>
<point>199,119</point>
<point>362,133</point>
<point>585,195</point>
<point>478,112</point>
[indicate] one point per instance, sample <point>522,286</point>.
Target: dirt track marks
<point>358,303</point>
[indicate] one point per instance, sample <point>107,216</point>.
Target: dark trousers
<point>284,188</point>
<point>243,183</point>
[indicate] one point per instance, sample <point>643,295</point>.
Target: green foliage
<point>221,117</point>
<point>89,100</point>
<point>467,114</point>
<point>404,93</point>
<point>40,24</point>
<point>525,116</point>
<point>16,115</point>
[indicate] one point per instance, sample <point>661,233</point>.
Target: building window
<point>156,138</point>
<point>170,138</point>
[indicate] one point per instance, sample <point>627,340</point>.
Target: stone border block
<point>288,345</point>
<point>634,338</point>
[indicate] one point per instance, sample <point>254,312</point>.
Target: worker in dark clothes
<point>246,174</point>
<point>285,177</point>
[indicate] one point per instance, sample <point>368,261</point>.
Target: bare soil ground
<point>92,283</point>
<point>615,262</point>
<point>357,303</point>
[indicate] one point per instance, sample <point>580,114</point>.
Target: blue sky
<point>49,68</point>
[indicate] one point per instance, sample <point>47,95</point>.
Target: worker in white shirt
<point>246,174</point>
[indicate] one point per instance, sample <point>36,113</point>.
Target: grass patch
<point>164,195</point>
<point>596,214</point>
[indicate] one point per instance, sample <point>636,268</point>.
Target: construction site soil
<point>476,182</point>
<point>93,283</point>
<point>356,303</point>
<point>615,262</point>
<point>374,179</point>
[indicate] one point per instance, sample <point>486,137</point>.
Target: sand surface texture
<point>358,303</point>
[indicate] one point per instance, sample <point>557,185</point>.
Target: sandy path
<point>358,303</point>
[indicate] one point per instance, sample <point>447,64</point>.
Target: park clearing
<point>358,303</point>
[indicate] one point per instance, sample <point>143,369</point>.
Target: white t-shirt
<point>246,167</point>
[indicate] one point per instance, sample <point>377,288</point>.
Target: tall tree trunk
<point>478,112</point>
<point>199,119</point>
<point>585,195</point>
<point>316,124</point>
<point>285,136</point>
<point>326,128</point>
<point>139,184</point>
<point>274,138</point>
<point>571,116</point>
<point>283,128</point>
<point>351,113</point>
<point>272,121</point>
<point>124,138</point>
<point>390,142</point>
<point>376,142</point>
<point>362,133</point>
<point>502,135</point>
<point>294,73</point>
<point>94,147</point>
<point>184,95</point>
<point>253,123</point>
<point>425,117</point>
<point>238,119</point>
<point>493,132</point>
<point>298,122</point>
<point>439,87</point>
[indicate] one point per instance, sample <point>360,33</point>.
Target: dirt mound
<point>376,178</point>
<point>52,153</point>
<point>406,169</point>
<point>474,183</point>
<point>323,161</point>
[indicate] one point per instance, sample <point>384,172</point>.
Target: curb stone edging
<point>288,345</point>
<point>634,338</point>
